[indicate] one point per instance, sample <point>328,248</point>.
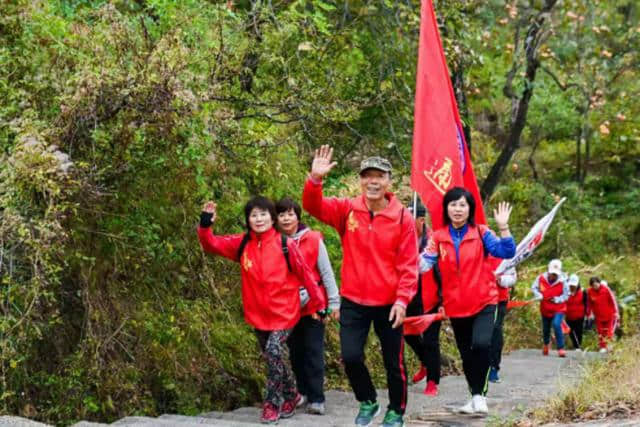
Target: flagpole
<point>415,205</point>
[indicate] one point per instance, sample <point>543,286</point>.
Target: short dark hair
<point>262,203</point>
<point>286,204</point>
<point>594,279</point>
<point>451,196</point>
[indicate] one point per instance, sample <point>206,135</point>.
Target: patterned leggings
<point>281,384</point>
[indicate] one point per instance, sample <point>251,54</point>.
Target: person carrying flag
<point>469,291</point>
<point>379,276</point>
<point>601,305</point>
<point>576,310</point>
<point>552,290</point>
<point>427,300</point>
<point>505,281</point>
<point>272,271</point>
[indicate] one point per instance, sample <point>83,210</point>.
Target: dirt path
<point>527,379</point>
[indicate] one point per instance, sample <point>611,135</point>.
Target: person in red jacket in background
<point>379,276</point>
<point>552,291</point>
<point>426,301</point>
<point>272,271</point>
<point>505,282</point>
<point>306,342</point>
<point>469,292</point>
<point>601,304</point>
<point>576,310</point>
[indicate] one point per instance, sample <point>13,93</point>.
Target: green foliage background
<point>119,118</point>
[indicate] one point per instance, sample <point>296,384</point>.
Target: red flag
<point>515,304</point>
<point>416,325</point>
<point>440,158</point>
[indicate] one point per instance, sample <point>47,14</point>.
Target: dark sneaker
<point>368,411</point>
<point>270,413</point>
<point>493,375</point>
<point>392,419</point>
<point>288,408</point>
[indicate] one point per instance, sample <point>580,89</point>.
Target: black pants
<point>473,338</point>
<point>355,322</point>
<point>427,345</point>
<point>497,342</point>
<point>576,332</point>
<point>306,349</point>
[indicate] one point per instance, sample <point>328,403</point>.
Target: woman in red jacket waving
<point>272,270</point>
<point>601,304</point>
<point>469,290</point>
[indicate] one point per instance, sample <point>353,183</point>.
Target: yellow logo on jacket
<point>352,222</point>
<point>443,252</point>
<point>246,262</point>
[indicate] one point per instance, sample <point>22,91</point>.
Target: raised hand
<point>502,214</point>
<point>322,163</point>
<point>210,207</point>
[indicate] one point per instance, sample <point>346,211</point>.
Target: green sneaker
<point>368,410</point>
<point>392,419</point>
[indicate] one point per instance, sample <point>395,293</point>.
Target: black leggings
<point>576,332</point>
<point>473,338</point>
<point>427,345</point>
<point>497,342</point>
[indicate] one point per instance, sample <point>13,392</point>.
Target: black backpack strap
<point>285,251</point>
<point>243,243</point>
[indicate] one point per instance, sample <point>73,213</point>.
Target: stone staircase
<point>528,378</point>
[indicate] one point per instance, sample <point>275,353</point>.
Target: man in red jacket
<point>379,276</point>
<point>601,304</point>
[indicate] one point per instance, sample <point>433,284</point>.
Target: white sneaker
<point>603,350</point>
<point>303,400</point>
<point>479,403</point>
<point>467,409</point>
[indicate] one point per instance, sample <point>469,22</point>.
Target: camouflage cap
<point>375,163</point>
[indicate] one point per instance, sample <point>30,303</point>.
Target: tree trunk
<point>532,161</point>
<point>521,107</point>
<point>457,79</point>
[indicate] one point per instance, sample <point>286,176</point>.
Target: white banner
<point>531,241</point>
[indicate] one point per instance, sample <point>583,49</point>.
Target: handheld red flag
<point>440,158</point>
<point>416,325</point>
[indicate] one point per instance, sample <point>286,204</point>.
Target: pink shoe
<point>270,413</point>
<point>545,350</point>
<point>431,389</point>
<point>289,406</point>
<point>420,375</point>
<point>562,353</point>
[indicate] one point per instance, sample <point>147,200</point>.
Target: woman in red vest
<point>306,342</point>
<point>601,304</point>
<point>552,291</point>
<point>469,290</point>
<point>576,310</point>
<point>272,270</point>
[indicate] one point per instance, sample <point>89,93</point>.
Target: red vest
<point>575,306</point>
<point>547,307</point>
<point>468,285</point>
<point>309,244</point>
